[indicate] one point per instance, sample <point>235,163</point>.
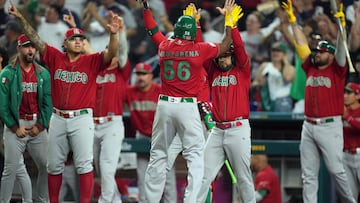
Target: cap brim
<point>78,35</point>
<point>25,43</point>
<point>348,89</point>
<point>145,72</point>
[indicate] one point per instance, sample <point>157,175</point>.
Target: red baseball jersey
<point>230,90</point>
<point>352,129</point>
<point>324,90</point>
<point>29,103</point>
<point>110,90</point>
<point>180,66</point>
<point>204,93</point>
<point>142,107</point>
<point>73,83</point>
<point>267,179</point>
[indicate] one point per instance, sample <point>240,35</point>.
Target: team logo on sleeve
<point>4,80</point>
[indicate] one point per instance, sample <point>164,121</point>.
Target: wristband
<point>153,31</point>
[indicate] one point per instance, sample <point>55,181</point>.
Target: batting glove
<point>232,18</point>
<point>340,15</point>
<point>287,6</point>
<point>190,10</point>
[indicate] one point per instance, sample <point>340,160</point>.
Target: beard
<point>29,58</point>
<point>319,62</point>
<point>225,68</point>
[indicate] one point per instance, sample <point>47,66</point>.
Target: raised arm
<point>341,46</point>
<point>354,39</point>
<point>301,43</point>
<point>113,28</point>
<point>151,25</point>
<point>28,30</point>
<point>123,45</point>
<point>232,14</point>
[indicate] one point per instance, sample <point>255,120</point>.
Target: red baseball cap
<point>23,40</point>
<point>74,32</point>
<point>143,68</point>
<point>353,87</point>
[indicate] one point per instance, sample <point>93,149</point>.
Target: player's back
<point>180,66</point>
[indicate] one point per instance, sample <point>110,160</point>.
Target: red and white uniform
<point>266,179</point>
<point>73,86</point>
<point>73,83</point>
<point>186,82</point>
<point>230,138</point>
<point>322,134</point>
<point>142,107</point>
<point>177,112</point>
<point>109,127</point>
<point>321,86</point>
<point>352,149</point>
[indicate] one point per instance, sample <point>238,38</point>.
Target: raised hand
<point>144,3</point>
<point>114,25</point>
<point>340,14</point>
<point>69,19</point>
<point>233,13</point>
<point>120,21</point>
<point>287,6</point>
<point>191,10</point>
<point>13,10</point>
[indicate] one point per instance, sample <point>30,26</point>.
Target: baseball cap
<point>74,32</point>
<point>316,36</point>
<point>352,87</point>
<point>326,46</point>
<point>143,68</point>
<point>278,46</point>
<point>23,40</point>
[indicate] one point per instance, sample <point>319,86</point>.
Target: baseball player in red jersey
<point>266,182</point>
<point>351,126</point>
<point>25,109</point>
<point>109,127</point>
<point>73,91</point>
<point>322,133</point>
<point>142,100</point>
<point>180,68</point>
<point>229,77</point>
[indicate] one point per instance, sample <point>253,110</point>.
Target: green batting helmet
<point>185,28</point>
<point>326,46</point>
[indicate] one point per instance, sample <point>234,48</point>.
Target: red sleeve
<point>198,36</point>
<point>353,122</point>
<point>152,27</point>
<point>49,56</point>
<point>307,63</point>
<point>241,57</point>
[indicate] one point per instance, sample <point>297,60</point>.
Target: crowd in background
<point>277,79</point>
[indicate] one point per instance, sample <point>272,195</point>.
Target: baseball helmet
<point>326,46</point>
<point>185,28</point>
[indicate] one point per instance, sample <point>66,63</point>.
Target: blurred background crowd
<point>264,29</point>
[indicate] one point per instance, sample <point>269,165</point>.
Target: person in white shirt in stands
<point>208,33</point>
<point>51,28</point>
